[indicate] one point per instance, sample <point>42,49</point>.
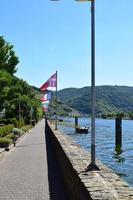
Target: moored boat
<point>82,130</point>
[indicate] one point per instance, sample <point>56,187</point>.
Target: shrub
<point>5,130</point>
<point>9,121</point>
<point>17,131</point>
<point>11,136</point>
<point>26,128</point>
<point>14,121</point>
<point>4,142</point>
<point>21,122</point>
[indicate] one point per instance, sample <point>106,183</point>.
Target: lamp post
<point>92,165</point>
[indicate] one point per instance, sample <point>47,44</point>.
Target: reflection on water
<point>118,154</point>
<point>118,150</point>
<point>120,159</point>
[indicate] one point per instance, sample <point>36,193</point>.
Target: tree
<point>17,97</point>
<point>131,114</point>
<point>22,98</point>
<point>120,114</point>
<point>5,82</point>
<point>8,59</point>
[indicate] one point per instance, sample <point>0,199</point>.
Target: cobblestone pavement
<point>24,170</point>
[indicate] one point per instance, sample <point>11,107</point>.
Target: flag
<point>44,86</point>
<point>45,103</point>
<point>43,98</point>
<point>49,95</point>
<point>46,96</point>
<point>51,82</point>
<point>45,109</point>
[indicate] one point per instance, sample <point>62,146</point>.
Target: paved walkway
<point>24,172</point>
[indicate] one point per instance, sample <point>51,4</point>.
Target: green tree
<point>17,97</point>
<point>8,59</point>
<point>19,100</point>
<point>131,114</point>
<point>5,82</point>
<point>120,115</point>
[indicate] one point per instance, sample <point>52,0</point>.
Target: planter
<point>4,143</point>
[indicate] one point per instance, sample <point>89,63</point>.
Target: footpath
<point>29,171</point>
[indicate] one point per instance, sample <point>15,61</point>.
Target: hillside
<point>63,109</point>
<point>108,99</point>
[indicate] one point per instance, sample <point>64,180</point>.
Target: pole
<point>118,133</point>
<point>93,82</point>
<point>76,121</point>
<point>56,104</point>
<point>92,165</point>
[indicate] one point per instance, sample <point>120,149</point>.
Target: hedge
<point>5,130</point>
<point>11,136</point>
<point>4,142</point>
<point>8,133</point>
<point>9,121</point>
<point>26,128</point>
<point>17,131</point>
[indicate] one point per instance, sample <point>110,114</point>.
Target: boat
<point>60,120</point>
<point>82,130</point>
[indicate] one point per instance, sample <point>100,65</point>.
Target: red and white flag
<point>51,82</point>
<point>46,96</point>
<point>45,109</point>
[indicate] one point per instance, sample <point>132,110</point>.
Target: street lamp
<point>92,165</point>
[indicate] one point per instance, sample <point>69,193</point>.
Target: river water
<point>121,162</point>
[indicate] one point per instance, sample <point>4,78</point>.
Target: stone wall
<point>82,185</point>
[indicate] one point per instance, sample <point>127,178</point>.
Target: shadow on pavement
<point>57,191</point>
<point>27,145</point>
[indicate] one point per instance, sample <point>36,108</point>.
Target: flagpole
<point>56,104</point>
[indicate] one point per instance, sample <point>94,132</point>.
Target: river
<point>121,162</point>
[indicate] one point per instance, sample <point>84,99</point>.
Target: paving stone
<point>24,170</point>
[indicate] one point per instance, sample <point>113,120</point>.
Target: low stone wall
<point>82,185</point>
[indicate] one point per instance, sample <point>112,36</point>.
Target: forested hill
<point>108,99</point>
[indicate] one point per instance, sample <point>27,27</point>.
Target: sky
<point>49,36</point>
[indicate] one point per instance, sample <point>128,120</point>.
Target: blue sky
<point>49,36</point>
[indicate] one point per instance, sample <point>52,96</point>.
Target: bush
<point>9,121</point>
<point>17,131</point>
<point>14,121</point>
<point>21,122</point>
<point>5,130</point>
<point>11,136</point>
<point>4,142</point>
<point>26,128</point>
